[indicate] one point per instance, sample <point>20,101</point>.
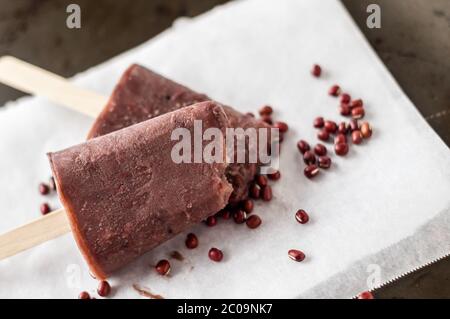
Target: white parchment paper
<point>386,206</point>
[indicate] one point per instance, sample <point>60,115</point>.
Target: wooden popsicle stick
<point>31,79</point>
<point>32,234</point>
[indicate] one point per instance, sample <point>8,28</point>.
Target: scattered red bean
<point>52,184</point>
<point>191,241</point>
<point>45,209</point>
<point>103,289</point>
<point>303,146</point>
<point>44,189</point>
<point>340,138</point>
<point>84,295</point>
<point>296,255</point>
<point>341,149</point>
<point>357,103</point>
<point>266,110</point>
<point>255,191</point>
<point>331,127</point>
<point>266,193</point>
<point>366,295</point>
<point>358,112</point>
<point>353,125</point>
<point>345,110</point>
<point>211,221</point>
<point>320,150</point>
<point>316,70</point>
<point>357,137</point>
<point>253,222</point>
<point>239,216</point>
<point>324,162</point>
<point>250,114</point>
<point>163,267</point>
<point>309,158</point>
<point>366,130</point>
<point>342,128</point>
<point>335,90</point>
<point>323,135</point>
<point>319,122</point>
<point>301,216</point>
<point>261,180</point>
<point>247,206</point>
<point>274,176</point>
<point>282,126</point>
<point>215,254</point>
<point>311,171</point>
<point>345,98</point>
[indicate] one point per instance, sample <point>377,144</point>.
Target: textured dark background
<point>414,42</point>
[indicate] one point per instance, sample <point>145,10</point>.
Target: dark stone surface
<point>414,42</point>
<point>35,30</point>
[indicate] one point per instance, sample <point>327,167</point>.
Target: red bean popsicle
<point>124,194</point>
<point>33,80</point>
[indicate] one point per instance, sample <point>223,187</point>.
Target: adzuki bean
<point>266,110</point>
<point>357,137</point>
<point>335,90</point>
<point>341,149</point>
<point>301,216</point>
<point>296,255</point>
<point>309,158</point>
<point>215,254</point>
<point>303,146</point>
<point>316,70</point>
<point>319,122</point>
<point>163,267</point>
<point>253,222</point>
<point>274,176</point>
<point>323,135</point>
<point>324,162</point>
<point>366,130</point>
<point>191,241</point>
<point>103,289</point>
<point>320,150</point>
<point>311,171</point>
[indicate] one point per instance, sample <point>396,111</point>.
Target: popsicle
<point>124,194</point>
<point>34,80</point>
<point>139,95</point>
<point>142,94</point>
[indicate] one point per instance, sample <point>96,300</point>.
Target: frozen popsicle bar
<point>142,94</point>
<point>124,194</point>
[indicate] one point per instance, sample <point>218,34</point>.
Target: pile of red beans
<point>328,130</point>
